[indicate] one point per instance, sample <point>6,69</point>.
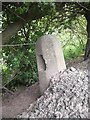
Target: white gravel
<point>67,96</point>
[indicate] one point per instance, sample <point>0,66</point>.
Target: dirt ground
<point>17,103</point>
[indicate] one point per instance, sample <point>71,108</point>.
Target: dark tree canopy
<point>26,12</point>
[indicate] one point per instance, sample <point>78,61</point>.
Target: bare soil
<point>19,101</point>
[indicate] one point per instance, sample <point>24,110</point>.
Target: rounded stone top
<point>49,36</point>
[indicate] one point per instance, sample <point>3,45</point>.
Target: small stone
<point>72,69</point>
<point>25,115</point>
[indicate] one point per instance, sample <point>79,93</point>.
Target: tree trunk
<point>11,31</point>
<point>13,28</point>
<point>87,50</point>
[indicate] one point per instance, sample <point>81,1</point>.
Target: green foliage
<point>19,62</point>
<point>73,38</point>
<point>71,52</point>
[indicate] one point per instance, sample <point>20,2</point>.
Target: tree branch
<point>13,28</point>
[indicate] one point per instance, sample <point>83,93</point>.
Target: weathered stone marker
<point>50,59</point>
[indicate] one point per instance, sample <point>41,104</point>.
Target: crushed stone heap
<point>67,97</point>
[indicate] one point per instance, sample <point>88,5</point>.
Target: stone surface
<point>50,59</point>
<point>67,96</point>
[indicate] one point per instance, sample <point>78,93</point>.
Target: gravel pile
<point>67,97</point>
